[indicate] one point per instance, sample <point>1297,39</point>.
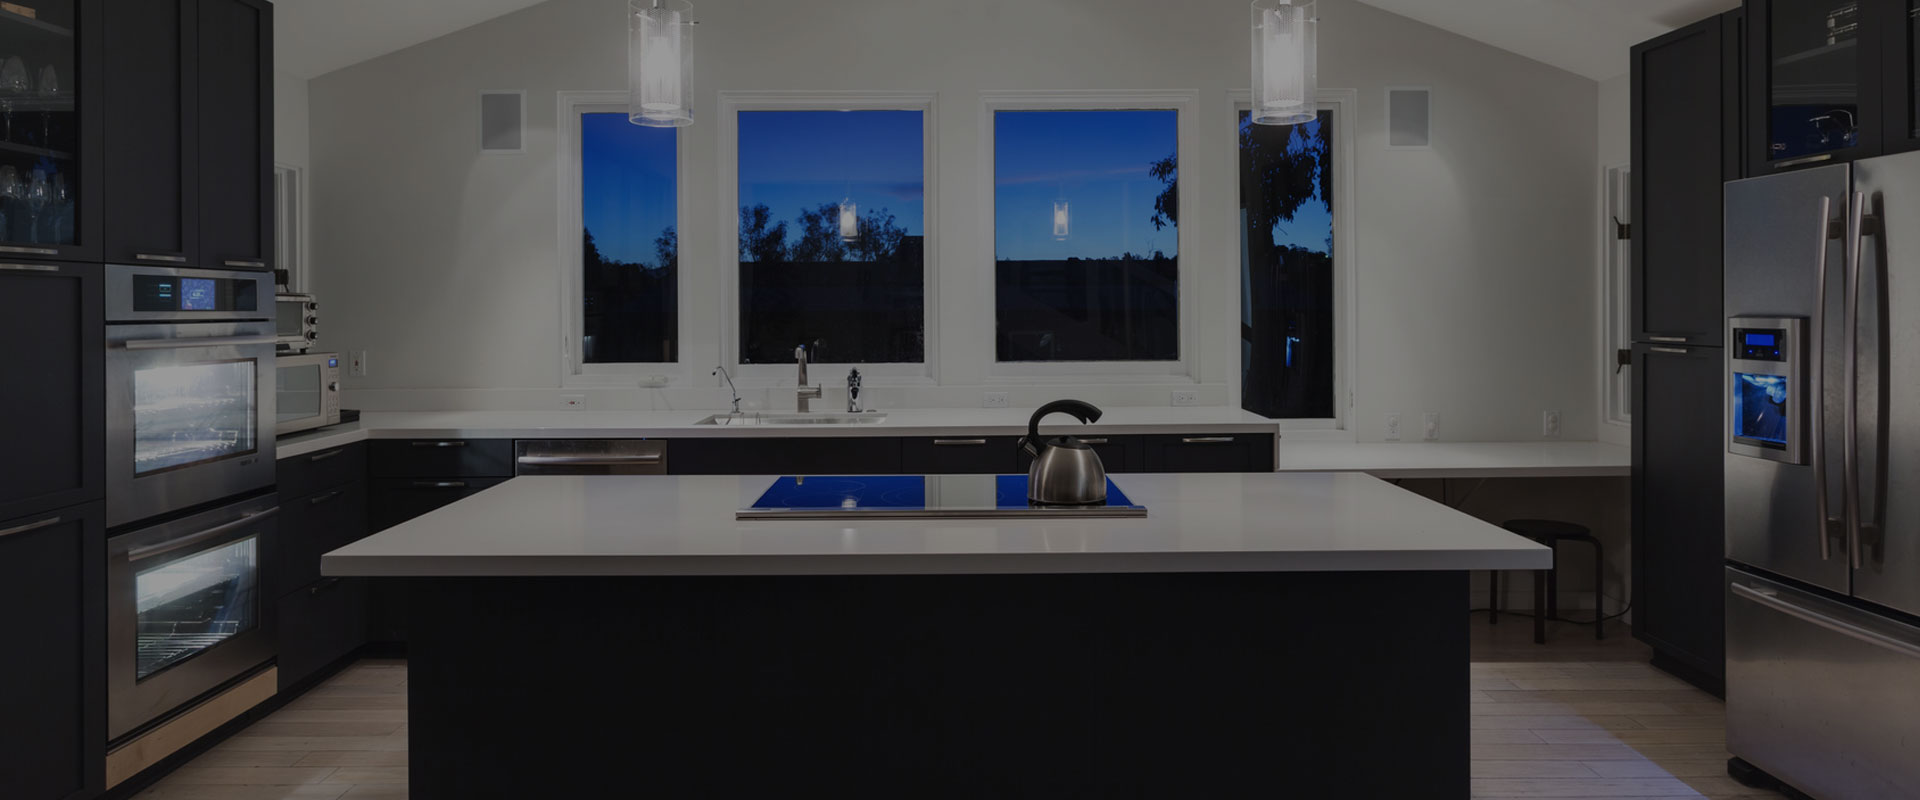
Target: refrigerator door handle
<point>1771,599</point>
<point>1850,442</point>
<point>1818,367</point>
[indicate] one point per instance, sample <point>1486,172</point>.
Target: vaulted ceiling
<point>1587,37</point>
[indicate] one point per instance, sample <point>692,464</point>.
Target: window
<point>1619,296</point>
<point>1086,235</point>
<point>832,235</point>
<point>630,253</point>
<point>1287,274</point>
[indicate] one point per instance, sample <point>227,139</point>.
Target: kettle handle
<point>1085,412</point>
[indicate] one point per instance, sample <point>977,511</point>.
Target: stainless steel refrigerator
<point>1822,393</point>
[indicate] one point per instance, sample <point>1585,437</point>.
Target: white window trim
<point>299,279</point>
<point>1186,370</point>
<point>574,372</point>
<point>922,373</point>
<point>1616,292</point>
<point>1345,104</point>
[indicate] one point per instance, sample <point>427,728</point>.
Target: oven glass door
<point>185,606</point>
<point>190,413</point>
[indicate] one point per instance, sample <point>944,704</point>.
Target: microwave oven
<point>296,322</point>
<point>306,391</point>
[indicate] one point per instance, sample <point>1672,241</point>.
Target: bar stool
<point>1546,582</point>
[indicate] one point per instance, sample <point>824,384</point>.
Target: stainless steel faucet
<point>855,404</point>
<point>722,372</point>
<point>805,392</point>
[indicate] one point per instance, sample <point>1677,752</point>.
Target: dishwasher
<point>590,457</point>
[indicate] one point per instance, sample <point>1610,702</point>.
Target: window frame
<point>290,225</point>
<point>574,371</point>
<point>1344,103</point>
<point>732,103</point>
<point>1183,371</point>
<point>1616,292</point>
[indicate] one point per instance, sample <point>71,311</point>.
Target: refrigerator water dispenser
<point>1767,388</point>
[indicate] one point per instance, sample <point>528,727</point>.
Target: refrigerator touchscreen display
<point>1760,409</point>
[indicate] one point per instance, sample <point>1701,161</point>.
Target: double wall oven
<point>190,466</point>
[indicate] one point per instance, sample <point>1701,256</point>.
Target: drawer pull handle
<point>244,263</point>
<point>440,484</point>
<point>586,461</point>
<point>1678,351</point>
<point>1771,599</point>
<point>444,443</point>
<point>326,455</point>
<point>958,442</point>
<point>31,267</point>
<point>1671,339</point>
<point>1099,440</point>
<point>323,585</point>
<point>333,495</point>
<point>170,259</point>
<point>30,251</point>
<point>31,526</point>
<point>1207,440</point>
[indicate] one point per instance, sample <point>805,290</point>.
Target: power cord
<point>1529,615</point>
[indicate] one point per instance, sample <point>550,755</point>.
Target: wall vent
<point>1409,117</point>
<point>501,126</point>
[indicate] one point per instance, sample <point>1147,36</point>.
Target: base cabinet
<point>1678,518</point>
<point>53,683</point>
<point>319,620</point>
<point>320,623</point>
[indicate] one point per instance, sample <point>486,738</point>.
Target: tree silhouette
<point>1289,330</point>
<point>1166,207</point>
<point>666,249</point>
<point>819,235</point>
<point>761,239</point>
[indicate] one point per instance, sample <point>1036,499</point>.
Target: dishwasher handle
<point>590,461</point>
<point>590,457</point>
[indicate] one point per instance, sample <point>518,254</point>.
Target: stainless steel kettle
<point>1065,471</point>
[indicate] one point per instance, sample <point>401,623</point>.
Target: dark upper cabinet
<point>52,417</point>
<point>50,132</point>
<point>236,133</point>
<point>1677,539</point>
<point>53,680</point>
<point>1686,141</point>
<point>1900,71</point>
<point>1816,83</point>
<point>152,147</point>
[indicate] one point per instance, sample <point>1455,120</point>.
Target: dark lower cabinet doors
<point>52,352</point>
<point>1678,538</point>
<point>53,676</point>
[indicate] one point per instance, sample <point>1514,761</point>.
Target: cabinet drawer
<point>1203,452</point>
<point>396,500</point>
<point>876,455</point>
<point>1117,453</point>
<point>320,623</point>
<point>439,458</point>
<point>960,455</point>
<point>303,475</point>
<point>313,525</point>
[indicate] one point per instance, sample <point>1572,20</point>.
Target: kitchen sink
<point>755,418</point>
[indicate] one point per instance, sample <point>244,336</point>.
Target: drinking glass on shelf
<point>13,84</point>
<point>39,193</point>
<point>47,85</point>
<point>10,194</point>
<point>62,211</point>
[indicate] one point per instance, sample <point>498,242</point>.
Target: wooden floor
<point>1570,719</point>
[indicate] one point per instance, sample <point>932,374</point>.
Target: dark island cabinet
<point>53,678</point>
<point>1677,539</point>
<point>52,416</point>
<point>961,455</point>
<point>1686,143</point>
<point>1208,452</point>
<point>50,141</point>
<point>236,133</point>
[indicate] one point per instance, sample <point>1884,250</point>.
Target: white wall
<point>291,143</point>
<point>1472,267</point>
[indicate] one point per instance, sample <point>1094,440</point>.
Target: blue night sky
<point>626,185</point>
<point>790,160</point>
<point>1312,223</point>
<point>1095,160</point>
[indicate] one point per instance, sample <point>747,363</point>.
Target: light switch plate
<point>1550,424</point>
<point>1430,427</point>
<point>993,400</point>
<point>357,363</point>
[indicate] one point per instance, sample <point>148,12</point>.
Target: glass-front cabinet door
<point>47,203</point>
<point>1814,82</point>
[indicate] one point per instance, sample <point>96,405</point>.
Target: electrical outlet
<point>993,400</point>
<point>1430,426</point>
<point>1186,397</point>
<point>357,363</point>
<point>654,381</point>
<point>1393,427</point>
<point>1550,424</point>
<point>573,401</point>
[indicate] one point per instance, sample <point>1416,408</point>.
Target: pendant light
<point>659,63</point>
<point>1285,64</point>
<point>849,221</point>
<point>1060,219</point>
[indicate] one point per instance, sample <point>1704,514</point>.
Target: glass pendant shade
<point>1060,219</point>
<point>1285,64</point>
<point>849,221</point>
<point>659,63</point>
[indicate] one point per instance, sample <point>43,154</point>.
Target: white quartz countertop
<point>1457,459</point>
<point>682,424</point>
<point>685,525</point>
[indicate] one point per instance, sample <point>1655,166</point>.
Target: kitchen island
<point>1255,634</point>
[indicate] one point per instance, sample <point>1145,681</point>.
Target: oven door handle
<point>204,341</point>
<point>149,551</point>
